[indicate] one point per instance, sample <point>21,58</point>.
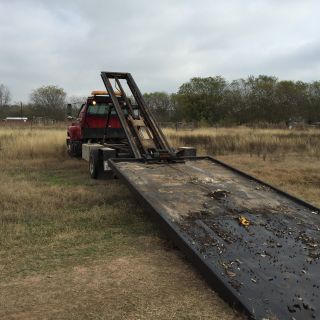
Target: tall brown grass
<point>239,140</point>
<point>28,143</point>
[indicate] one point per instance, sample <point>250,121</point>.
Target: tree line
<point>214,100</point>
<point>210,100</point>
<point>44,102</point>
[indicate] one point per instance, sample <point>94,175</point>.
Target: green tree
<point>201,99</point>
<point>254,99</point>
<point>291,100</point>
<point>313,112</point>
<point>260,97</point>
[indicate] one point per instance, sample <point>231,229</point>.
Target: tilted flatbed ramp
<point>269,268</point>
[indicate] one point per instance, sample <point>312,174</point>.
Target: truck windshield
<point>100,109</point>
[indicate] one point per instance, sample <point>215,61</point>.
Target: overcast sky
<point>162,43</point>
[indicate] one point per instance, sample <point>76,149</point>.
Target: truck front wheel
<point>74,148</point>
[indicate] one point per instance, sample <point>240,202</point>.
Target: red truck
<point>96,120</point>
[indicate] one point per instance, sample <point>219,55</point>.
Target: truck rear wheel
<point>94,164</point>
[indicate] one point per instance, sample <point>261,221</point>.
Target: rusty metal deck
<point>270,269</point>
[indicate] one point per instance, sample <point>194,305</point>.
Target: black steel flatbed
<point>269,269</point>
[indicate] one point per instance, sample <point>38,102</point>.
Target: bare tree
<point>76,102</point>
<point>49,97</point>
<point>49,101</point>
<point>5,95</point>
<point>161,103</point>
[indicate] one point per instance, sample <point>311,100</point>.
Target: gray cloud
<point>163,43</point>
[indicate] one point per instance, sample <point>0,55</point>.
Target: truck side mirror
<point>69,110</point>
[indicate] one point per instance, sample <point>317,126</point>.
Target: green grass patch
<point>79,219</point>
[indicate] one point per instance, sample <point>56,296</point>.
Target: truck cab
<point>96,119</point>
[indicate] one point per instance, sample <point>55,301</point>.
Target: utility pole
<point>21,110</point>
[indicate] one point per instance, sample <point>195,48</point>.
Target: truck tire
<point>94,164</point>
<point>74,148</point>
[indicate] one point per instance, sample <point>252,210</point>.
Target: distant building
<point>16,119</point>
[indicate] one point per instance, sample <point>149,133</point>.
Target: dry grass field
<point>75,248</point>
<point>267,143</point>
